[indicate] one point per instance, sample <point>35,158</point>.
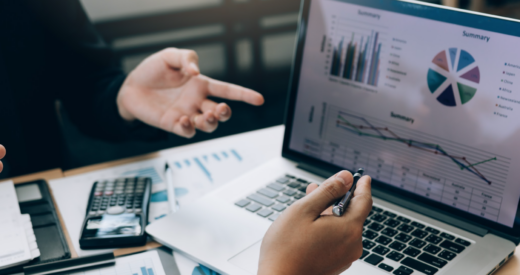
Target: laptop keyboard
<point>392,242</point>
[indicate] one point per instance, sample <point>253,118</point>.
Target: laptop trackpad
<point>248,258</point>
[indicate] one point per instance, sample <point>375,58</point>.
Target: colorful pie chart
<point>453,77</point>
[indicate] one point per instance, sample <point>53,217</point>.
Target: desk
<point>511,267</point>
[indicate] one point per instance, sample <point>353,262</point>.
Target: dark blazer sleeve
<point>87,74</point>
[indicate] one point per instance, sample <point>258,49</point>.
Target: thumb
<point>179,59</point>
<point>329,191</point>
<point>361,203</point>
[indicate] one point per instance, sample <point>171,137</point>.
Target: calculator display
<point>113,225</point>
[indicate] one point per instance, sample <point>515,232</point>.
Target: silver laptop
<point>426,99</point>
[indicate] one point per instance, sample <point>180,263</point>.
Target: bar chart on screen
<point>356,50</point>
<point>147,263</point>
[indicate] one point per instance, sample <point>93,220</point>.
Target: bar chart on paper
<point>147,263</point>
<point>356,50</point>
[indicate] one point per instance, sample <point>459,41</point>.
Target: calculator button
<point>137,211</point>
<point>129,210</point>
<point>109,193</point>
<point>92,212</point>
<point>98,194</point>
<point>115,210</point>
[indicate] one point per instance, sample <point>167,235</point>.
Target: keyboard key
<point>370,234</point>
<point>433,239</point>
<point>447,236</point>
<point>274,217</point>
<point>376,209</point>
<point>279,207</point>
<point>410,251</point>
<point>260,199</point>
<point>424,268</point>
<point>375,226</point>
<point>265,212</point>
<point>253,207</point>
<point>242,203</point>
<point>432,230</point>
<point>403,219</point>
<point>417,243</point>
<point>392,223</point>
<point>403,270</point>
<point>290,203</point>
<point>418,233</point>
<point>365,253</point>
<point>290,176</point>
<point>397,245</point>
<point>406,228</point>
<point>374,259</point>
<point>378,218</point>
<point>367,222</point>
<point>368,244</point>
<point>381,250</point>
<point>463,242</point>
<point>371,213</point>
<point>432,260</point>
<point>283,199</point>
<point>389,232</point>
<point>290,192</point>
<point>268,193</point>
<point>299,196</point>
<point>452,246</point>
<point>276,187</point>
<point>302,180</point>
<point>390,214</point>
<point>383,240</point>
<point>432,249</point>
<point>395,256</point>
<point>302,189</point>
<point>403,237</point>
<point>385,267</point>
<point>294,184</point>
<point>418,225</point>
<point>282,180</point>
<point>445,254</point>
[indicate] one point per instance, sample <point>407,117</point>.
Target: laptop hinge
<point>316,170</point>
<point>432,213</point>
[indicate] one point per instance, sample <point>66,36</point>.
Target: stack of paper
<point>16,233</point>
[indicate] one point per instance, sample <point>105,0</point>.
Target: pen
<point>172,199</point>
<point>341,205</point>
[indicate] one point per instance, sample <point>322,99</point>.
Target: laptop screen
<point>424,99</point>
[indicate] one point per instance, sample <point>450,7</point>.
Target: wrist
<point>120,102</point>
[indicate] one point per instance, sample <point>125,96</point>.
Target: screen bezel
<point>422,10</point>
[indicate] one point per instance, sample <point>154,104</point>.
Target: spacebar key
<point>424,268</point>
<point>260,199</point>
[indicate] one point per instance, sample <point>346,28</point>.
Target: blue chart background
<point>202,270</point>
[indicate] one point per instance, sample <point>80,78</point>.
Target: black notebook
<point>35,200</point>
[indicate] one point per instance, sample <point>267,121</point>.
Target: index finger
<point>234,92</point>
<point>361,202</point>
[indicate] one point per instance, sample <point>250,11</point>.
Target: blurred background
<point>246,42</point>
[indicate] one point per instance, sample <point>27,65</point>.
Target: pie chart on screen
<point>453,77</point>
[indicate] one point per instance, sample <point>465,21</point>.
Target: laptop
<point>423,97</point>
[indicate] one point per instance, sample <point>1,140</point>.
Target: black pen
<point>341,205</point>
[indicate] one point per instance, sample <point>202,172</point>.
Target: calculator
<point>117,213</point>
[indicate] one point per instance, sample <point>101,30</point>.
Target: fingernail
<point>225,112</point>
<point>186,124</point>
<point>211,119</point>
<point>195,67</point>
<point>339,178</point>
